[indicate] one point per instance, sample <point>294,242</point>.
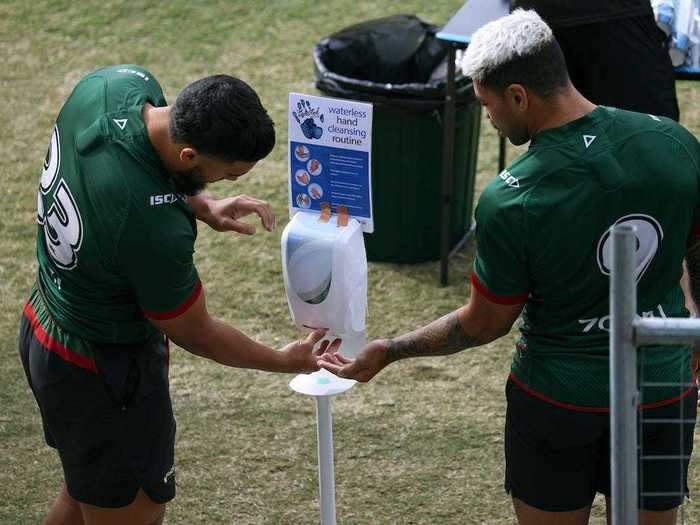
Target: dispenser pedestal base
<point>322,385</point>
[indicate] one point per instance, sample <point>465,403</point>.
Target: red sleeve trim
<point>498,299</point>
<point>695,230</point>
<point>162,316</point>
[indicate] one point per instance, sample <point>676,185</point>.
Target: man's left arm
<point>225,214</point>
<point>478,322</point>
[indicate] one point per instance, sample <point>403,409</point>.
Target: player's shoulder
<point>654,133</point>
<point>114,86</point>
<point>513,183</point>
<point>519,190</point>
<point>115,173</point>
<point>504,196</point>
<point>118,72</point>
<point>122,81</point>
<point>631,123</point>
<point>149,193</point>
<point>106,106</point>
<point>160,219</point>
<point>111,90</point>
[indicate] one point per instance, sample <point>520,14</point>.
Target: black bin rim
<point>416,96</point>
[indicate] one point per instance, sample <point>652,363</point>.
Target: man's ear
<point>188,156</point>
<point>518,98</point>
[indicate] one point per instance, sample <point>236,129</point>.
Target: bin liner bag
<point>393,58</point>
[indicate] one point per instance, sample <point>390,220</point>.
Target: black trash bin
<point>398,65</point>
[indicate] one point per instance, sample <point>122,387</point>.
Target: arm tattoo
<point>441,337</point>
<point>692,256</point>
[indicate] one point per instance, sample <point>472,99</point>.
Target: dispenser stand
<point>322,385</point>
<point>326,470</point>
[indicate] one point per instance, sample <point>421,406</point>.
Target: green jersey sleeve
<point>156,255</point>
<point>500,266</point>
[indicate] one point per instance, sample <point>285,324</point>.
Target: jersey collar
<point>581,126</point>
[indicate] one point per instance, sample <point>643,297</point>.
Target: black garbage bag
<point>395,60</point>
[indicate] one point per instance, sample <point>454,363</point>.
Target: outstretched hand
<point>223,214</point>
<point>302,357</point>
<point>364,367</point>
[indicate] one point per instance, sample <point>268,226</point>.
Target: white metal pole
<point>326,474</point>
<point>623,377</point>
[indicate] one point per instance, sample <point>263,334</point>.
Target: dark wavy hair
<point>222,116</point>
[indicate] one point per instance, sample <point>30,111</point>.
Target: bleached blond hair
<point>518,34</point>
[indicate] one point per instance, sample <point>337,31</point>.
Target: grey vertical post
<point>326,472</point>
<point>623,377</point>
<point>448,139</point>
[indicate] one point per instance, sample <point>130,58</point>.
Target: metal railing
<point>627,331</point>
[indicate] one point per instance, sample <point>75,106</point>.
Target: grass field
<point>422,444</point>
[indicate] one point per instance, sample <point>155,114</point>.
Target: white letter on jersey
<point>649,235</point>
<point>63,226</point>
<point>509,179</point>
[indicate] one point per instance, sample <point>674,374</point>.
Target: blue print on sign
<point>306,117</point>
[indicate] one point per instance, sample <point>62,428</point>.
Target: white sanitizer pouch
<point>325,276</point>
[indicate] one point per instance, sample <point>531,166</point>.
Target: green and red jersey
<point>543,238</point>
<point>115,240</point>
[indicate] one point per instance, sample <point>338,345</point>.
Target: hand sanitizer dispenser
<point>325,276</point>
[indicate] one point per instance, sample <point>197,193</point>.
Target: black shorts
<point>114,430</point>
<point>622,63</point>
<point>558,459</point>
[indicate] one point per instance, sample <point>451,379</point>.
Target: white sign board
<point>330,156</point>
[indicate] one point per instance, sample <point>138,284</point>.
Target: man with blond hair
<point>543,252</point>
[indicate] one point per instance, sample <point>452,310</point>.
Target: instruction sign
<point>330,156</point>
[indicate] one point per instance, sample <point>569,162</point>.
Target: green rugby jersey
<point>542,229</point>
<point>115,241</point>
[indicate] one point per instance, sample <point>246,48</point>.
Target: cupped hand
<point>367,364</point>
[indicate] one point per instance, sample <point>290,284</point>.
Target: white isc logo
<point>167,198</point>
<point>511,181</point>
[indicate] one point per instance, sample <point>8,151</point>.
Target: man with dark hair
<point>543,251</point>
<point>117,206</point>
<point>203,113</point>
<point>615,52</point>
